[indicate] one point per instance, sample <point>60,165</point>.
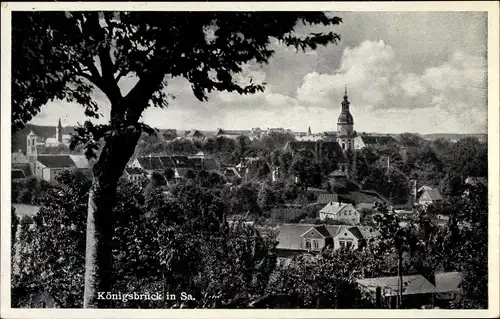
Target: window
<point>316,244</point>
<point>342,244</point>
<point>29,142</point>
<point>308,244</point>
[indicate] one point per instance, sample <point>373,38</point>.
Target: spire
<point>309,131</point>
<point>345,94</point>
<point>59,124</point>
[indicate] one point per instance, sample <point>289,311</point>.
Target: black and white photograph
<point>228,158</point>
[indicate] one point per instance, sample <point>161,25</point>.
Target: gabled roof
<point>424,188</point>
<point>80,161</point>
<point>320,229</point>
<point>368,232</point>
<point>17,173</point>
<point>327,198</point>
<point>56,161</point>
<point>432,194</point>
<point>412,285</point>
<point>134,171</point>
<point>19,158</point>
<point>335,207</point>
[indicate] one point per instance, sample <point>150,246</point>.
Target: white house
<point>47,167</point>
<point>340,211</point>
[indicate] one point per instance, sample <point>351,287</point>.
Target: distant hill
<point>455,137</point>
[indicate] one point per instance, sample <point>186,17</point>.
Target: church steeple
<point>59,131</point>
<point>309,131</point>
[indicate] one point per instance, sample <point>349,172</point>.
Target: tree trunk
<point>98,251</point>
<point>400,280</point>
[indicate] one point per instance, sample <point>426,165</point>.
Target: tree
<point>54,54</point>
<point>397,238</point>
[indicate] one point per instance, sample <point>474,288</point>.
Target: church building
<point>345,126</point>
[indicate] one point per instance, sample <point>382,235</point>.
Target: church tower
<point>345,126</point>
<point>59,132</point>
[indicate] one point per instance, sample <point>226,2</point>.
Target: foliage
<point>29,191</point>
<point>161,243</point>
<point>327,281</point>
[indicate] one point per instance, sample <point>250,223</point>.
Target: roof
<point>424,188</point>
<point>210,164</point>
<point>26,167</point>
<point>182,171</point>
<point>289,235</point>
<point>194,133</point>
<point>368,232</point>
<point>80,161</point>
<point>17,173</point>
<point>335,207</point>
<point>19,158</point>
<point>322,231</point>
<point>133,170</point>
<point>166,162</point>
<point>366,206</point>
<point>330,149</point>
<point>377,139</point>
<point>448,281</point>
<point>56,161</point>
<point>337,173</point>
<point>476,180</point>
<point>145,163</point>
<point>412,285</point>
<point>433,194</point>
<point>327,198</point>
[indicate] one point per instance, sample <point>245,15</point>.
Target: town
<point>313,191</point>
<point>248,159</point>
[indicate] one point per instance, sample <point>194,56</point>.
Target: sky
<point>421,72</point>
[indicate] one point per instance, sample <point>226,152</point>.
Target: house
<point>20,162</point>
<point>309,239</point>
<point>338,177</point>
<point>344,212</point>
<point>195,135</point>
<point>134,174</point>
<point>427,195</point>
<point>417,291</point>
<point>47,167</point>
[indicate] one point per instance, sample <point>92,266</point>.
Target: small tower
<point>345,126</point>
<point>59,132</point>
<point>309,131</point>
<point>31,147</point>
